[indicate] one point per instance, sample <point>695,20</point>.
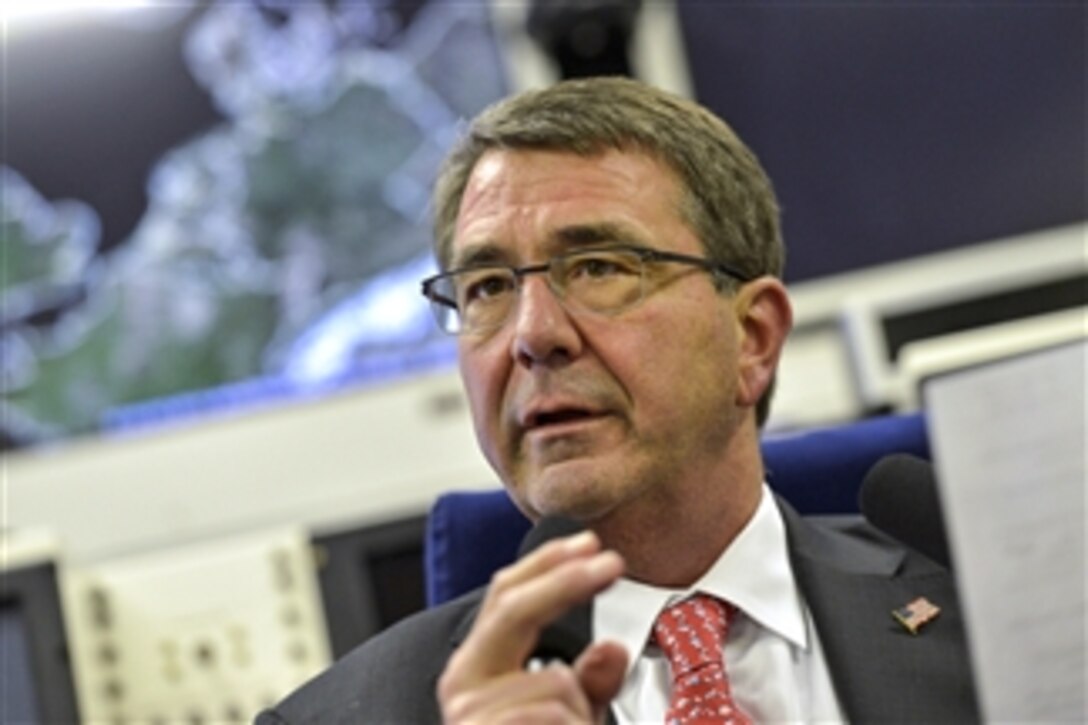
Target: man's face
<point>581,413</point>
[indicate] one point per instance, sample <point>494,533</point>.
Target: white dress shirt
<point>776,667</point>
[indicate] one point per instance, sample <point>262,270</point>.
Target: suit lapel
<point>881,672</point>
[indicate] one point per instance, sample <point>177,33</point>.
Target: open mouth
<point>558,417</point>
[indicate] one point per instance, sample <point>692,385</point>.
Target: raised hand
<point>486,680</point>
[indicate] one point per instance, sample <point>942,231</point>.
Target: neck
<point>673,540</point>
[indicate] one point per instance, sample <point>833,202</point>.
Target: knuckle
<point>507,601</point>
<point>545,712</point>
<point>447,686</point>
<point>508,612</point>
<point>549,713</point>
<point>451,683</point>
<point>502,579</point>
<point>561,679</point>
<point>457,709</point>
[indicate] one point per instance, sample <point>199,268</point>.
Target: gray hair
<point>728,199</point>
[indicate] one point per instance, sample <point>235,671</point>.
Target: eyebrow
<point>585,235</point>
<point>478,255</point>
<point>559,241</point>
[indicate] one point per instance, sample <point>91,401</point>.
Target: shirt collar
<point>753,573</point>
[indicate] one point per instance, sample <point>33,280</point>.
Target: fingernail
<point>606,564</point>
<point>582,541</point>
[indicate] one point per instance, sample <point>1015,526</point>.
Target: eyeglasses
<point>479,299</point>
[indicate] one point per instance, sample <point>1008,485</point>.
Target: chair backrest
<point>472,534</point>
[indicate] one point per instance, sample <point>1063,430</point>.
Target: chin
<point>566,491</point>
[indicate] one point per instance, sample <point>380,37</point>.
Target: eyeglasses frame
<point>645,254</point>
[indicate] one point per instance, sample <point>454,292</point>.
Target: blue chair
<point>472,534</point>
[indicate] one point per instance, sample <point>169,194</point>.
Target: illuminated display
<point>283,235</point>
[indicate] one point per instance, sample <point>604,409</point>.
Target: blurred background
<point>225,407</point>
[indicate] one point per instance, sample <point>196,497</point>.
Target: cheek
<point>483,378</point>
<point>643,360</point>
<point>678,367</point>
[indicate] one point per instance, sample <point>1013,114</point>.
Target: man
<point>612,264</point>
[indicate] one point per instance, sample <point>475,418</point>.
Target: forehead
<point>521,203</point>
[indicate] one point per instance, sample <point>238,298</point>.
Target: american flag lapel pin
<point>916,614</point>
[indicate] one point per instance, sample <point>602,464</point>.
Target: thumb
<point>600,670</point>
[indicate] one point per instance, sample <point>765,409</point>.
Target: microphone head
<point>548,528</point>
<point>899,496</point>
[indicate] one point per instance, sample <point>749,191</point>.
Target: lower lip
<point>566,428</point>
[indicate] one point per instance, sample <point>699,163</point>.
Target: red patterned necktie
<point>692,635</point>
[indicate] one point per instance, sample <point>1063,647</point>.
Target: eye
<point>483,285</point>
<point>602,265</point>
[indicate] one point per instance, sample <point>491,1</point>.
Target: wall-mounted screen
<point>209,206</point>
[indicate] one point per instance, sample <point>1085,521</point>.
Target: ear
<point>764,319</point>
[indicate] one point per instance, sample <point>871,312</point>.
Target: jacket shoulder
<point>852,578</point>
<point>391,677</point>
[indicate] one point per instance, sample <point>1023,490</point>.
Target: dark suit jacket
<point>851,576</point>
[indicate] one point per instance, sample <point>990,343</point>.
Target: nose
<point>544,333</point>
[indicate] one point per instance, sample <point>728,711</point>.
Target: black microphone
<point>548,528</point>
<point>899,497</point>
<point>565,638</point>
